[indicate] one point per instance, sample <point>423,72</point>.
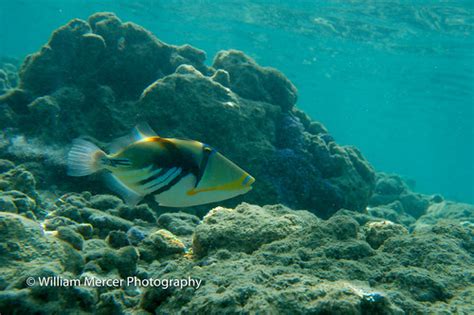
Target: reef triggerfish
<point>179,173</point>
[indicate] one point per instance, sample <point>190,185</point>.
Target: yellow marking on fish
<point>151,139</point>
<point>236,184</point>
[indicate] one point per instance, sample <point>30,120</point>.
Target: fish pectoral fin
<point>130,197</point>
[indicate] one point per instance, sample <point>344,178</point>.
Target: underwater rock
<point>160,244</point>
<point>129,56</point>
<point>222,77</point>
<point>59,62</point>
<point>77,208</point>
<point>47,299</point>
<point>45,108</point>
<point>425,248</point>
<point>254,82</point>
<point>56,222</point>
<point>179,223</point>
<point>332,256</point>
<point>23,245</point>
<point>390,188</point>
<point>290,174</point>
<point>69,235</point>
<point>17,202</point>
<point>342,226</point>
<point>415,204</point>
<point>422,286</point>
<point>18,178</point>
<point>115,302</point>
<point>138,213</point>
<point>18,191</point>
<point>123,261</point>
<point>8,75</point>
<point>136,235</point>
<point>263,225</point>
<point>115,206</point>
<point>117,239</point>
<point>249,259</point>
<point>85,229</point>
<point>378,232</point>
<point>244,110</point>
<point>5,166</point>
<point>446,211</point>
<point>393,212</point>
<point>90,59</point>
<point>105,202</point>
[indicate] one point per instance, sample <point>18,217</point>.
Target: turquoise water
<point>394,78</point>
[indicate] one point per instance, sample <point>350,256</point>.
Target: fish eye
<point>208,148</point>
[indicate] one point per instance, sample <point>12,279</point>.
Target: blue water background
<point>394,78</point>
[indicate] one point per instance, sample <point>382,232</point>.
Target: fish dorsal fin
<point>120,143</point>
<point>139,132</point>
<point>142,131</point>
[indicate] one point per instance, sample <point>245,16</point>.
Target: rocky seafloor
<point>365,243</point>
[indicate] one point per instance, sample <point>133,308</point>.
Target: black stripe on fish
<point>175,173</point>
<point>207,151</point>
<point>174,158</point>
<point>153,177</point>
<point>170,184</point>
<point>117,162</point>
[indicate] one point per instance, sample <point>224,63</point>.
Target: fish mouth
<point>248,181</point>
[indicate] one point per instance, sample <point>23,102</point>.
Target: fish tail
<point>84,158</point>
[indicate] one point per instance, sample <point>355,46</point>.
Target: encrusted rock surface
<point>248,259</point>
<point>315,268</point>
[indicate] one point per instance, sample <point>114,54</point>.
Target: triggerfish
<point>179,173</point>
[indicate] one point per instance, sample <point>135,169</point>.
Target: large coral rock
<point>107,52</point>
<point>292,166</point>
<point>99,78</point>
<point>90,70</point>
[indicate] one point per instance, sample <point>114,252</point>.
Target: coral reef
<point>247,259</point>
<point>365,243</point>
<point>447,212</point>
<point>390,189</point>
<point>8,75</point>
<point>102,76</point>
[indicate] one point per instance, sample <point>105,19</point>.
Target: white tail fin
<point>84,158</point>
